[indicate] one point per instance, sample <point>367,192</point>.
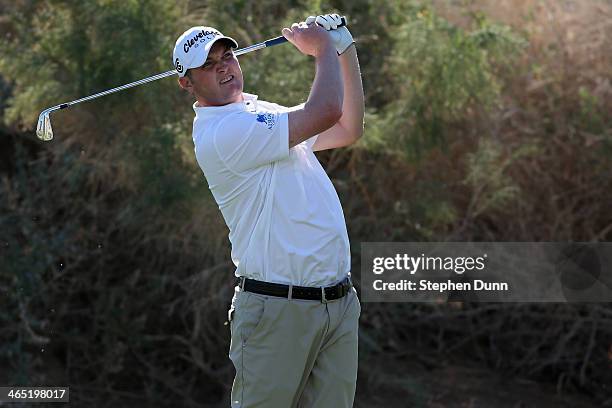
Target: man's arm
<point>324,105</point>
<point>350,126</point>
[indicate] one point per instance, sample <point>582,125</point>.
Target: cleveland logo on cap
<point>198,37</point>
<point>179,67</point>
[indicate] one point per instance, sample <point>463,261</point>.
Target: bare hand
<point>308,39</point>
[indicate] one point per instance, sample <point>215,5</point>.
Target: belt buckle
<point>323,298</point>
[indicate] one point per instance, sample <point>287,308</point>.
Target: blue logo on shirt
<point>266,118</point>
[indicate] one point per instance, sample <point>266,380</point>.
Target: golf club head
<point>43,128</point>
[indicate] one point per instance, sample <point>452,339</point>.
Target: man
<point>294,315</point>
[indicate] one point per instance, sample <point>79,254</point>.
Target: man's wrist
<point>347,48</point>
<point>326,51</point>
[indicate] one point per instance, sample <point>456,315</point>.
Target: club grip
<point>275,41</point>
<point>281,39</point>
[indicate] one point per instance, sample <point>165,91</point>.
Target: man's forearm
<point>324,105</point>
<point>327,79</point>
<point>353,107</point>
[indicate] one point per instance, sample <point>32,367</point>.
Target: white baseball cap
<point>192,47</point>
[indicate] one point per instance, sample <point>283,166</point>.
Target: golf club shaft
<point>268,43</point>
<point>44,130</point>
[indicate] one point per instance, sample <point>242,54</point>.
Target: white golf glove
<point>341,36</point>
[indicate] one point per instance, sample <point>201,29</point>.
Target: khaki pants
<point>293,353</point>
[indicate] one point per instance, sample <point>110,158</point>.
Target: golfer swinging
<point>294,315</point>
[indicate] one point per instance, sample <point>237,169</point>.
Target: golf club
<point>45,132</point>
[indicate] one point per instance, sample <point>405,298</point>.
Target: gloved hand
<point>341,36</point>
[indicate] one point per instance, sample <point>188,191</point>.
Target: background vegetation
<point>486,120</point>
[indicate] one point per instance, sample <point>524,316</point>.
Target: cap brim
<point>208,46</point>
<point>229,39</point>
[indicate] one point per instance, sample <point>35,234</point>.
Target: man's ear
<point>185,83</point>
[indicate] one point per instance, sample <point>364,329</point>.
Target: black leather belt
<point>322,294</point>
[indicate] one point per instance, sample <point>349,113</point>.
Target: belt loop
<point>242,280</point>
<point>290,296</point>
<point>323,298</point>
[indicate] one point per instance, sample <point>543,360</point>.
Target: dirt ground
<point>407,383</point>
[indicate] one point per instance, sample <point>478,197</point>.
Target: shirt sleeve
<point>311,141</point>
<point>247,140</point>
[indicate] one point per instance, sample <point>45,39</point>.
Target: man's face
<point>219,81</point>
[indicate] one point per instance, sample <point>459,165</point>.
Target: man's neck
<point>200,103</point>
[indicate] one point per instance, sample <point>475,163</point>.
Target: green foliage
<point>492,187</point>
<point>64,50</point>
<point>439,74</point>
<point>590,115</point>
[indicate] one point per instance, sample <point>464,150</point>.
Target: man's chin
<point>225,97</point>
<point>235,94</point>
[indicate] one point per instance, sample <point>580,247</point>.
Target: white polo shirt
<point>285,220</point>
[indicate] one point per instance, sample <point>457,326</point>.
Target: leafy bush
<point>482,124</point>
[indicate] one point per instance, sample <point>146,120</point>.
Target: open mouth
<point>226,79</point>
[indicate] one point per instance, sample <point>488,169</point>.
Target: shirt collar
<point>248,104</point>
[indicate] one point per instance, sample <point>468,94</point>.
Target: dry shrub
<point>109,287</point>
<point>537,168</point>
<point>116,256</point>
